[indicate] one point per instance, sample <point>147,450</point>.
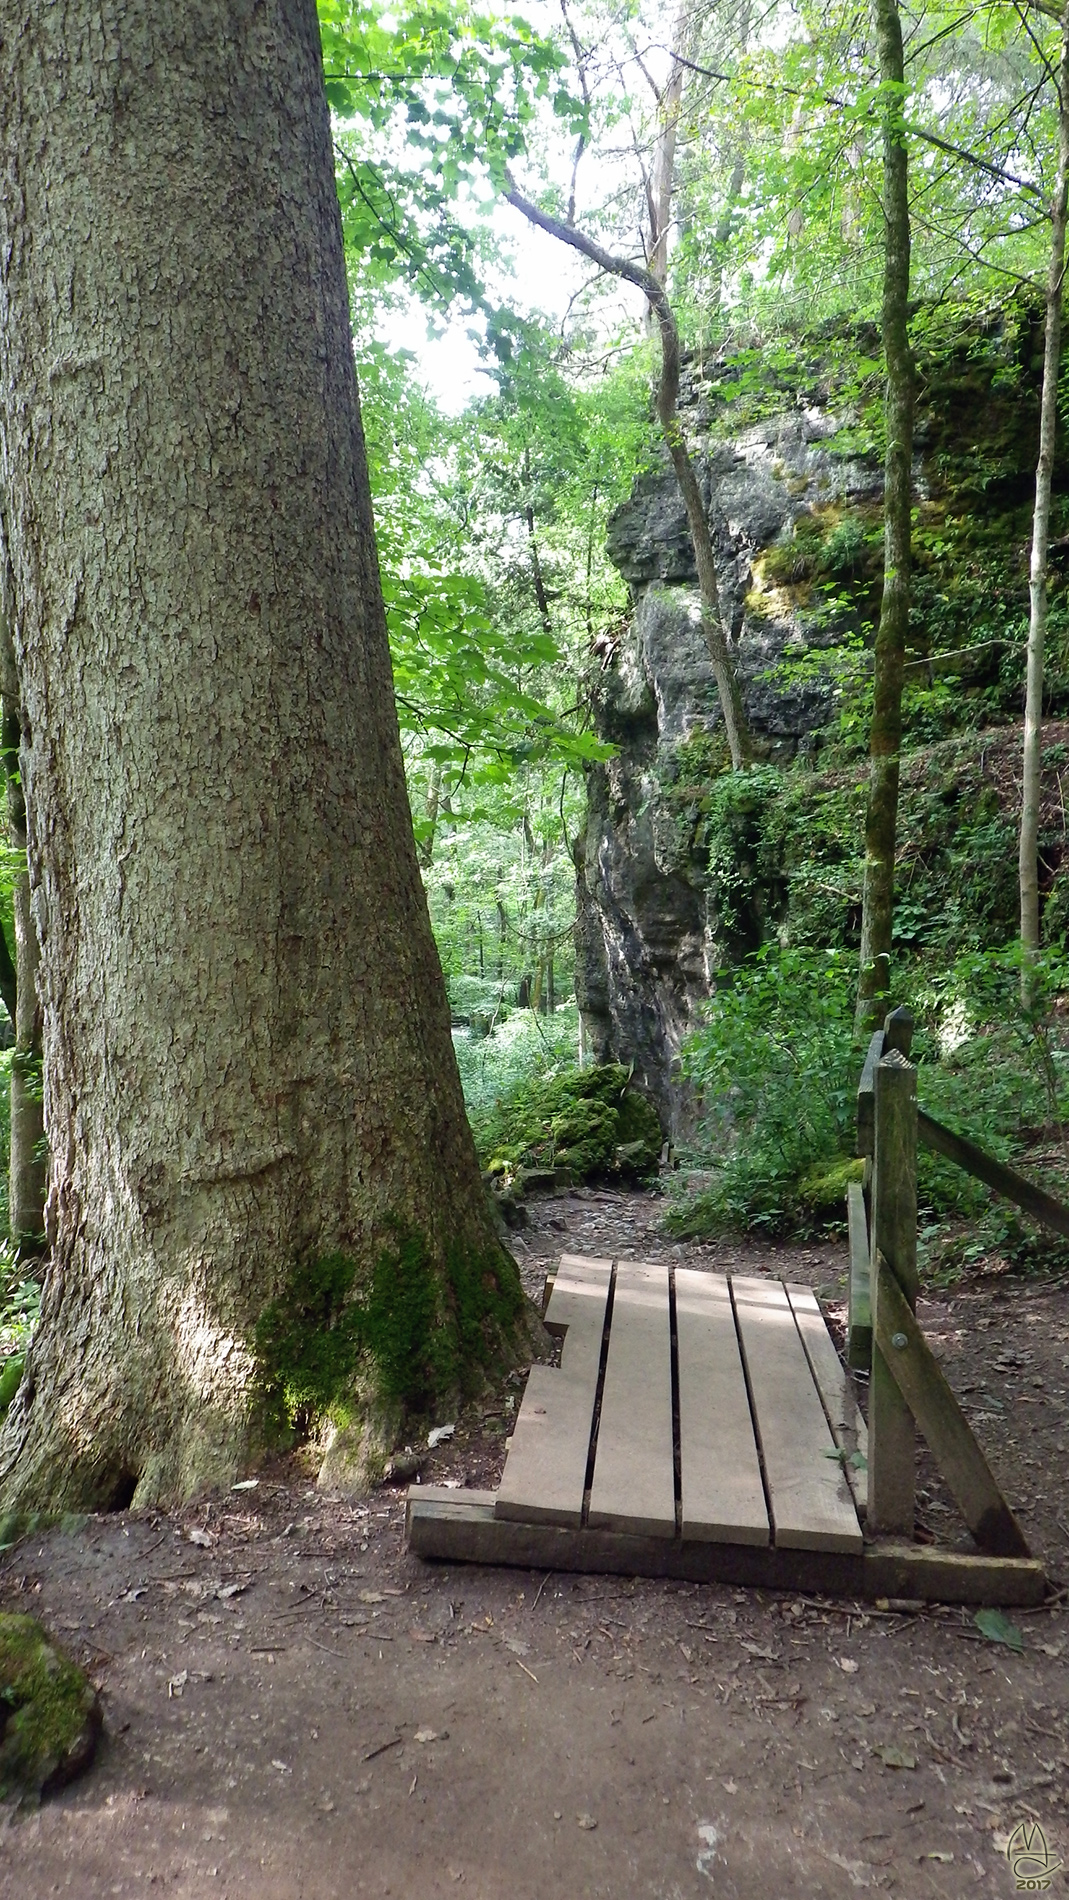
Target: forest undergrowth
<point>770,1071</point>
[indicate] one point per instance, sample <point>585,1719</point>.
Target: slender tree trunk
<point>663,175</point>
<point>1037,584</point>
<point>431,809</point>
<point>28,1154</point>
<point>9,983</point>
<point>722,237</point>
<point>28,1158</point>
<point>716,639</point>
<point>881,817</point>
<point>28,1176</point>
<point>541,597</point>
<point>593,525</point>
<point>248,1062</point>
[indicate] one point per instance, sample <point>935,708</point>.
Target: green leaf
<point>998,1629</point>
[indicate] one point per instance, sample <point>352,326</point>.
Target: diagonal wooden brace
<point>922,1384</point>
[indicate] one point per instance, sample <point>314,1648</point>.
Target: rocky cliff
<point>793,496</point>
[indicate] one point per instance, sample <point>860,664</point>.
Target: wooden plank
<point>449,1493</point>
<point>866,1104</point>
<point>455,1530</point>
<point>545,1471</point>
<point>808,1494</point>
<point>994,1174</point>
<point>723,1496</point>
<point>837,1390</point>
<point>576,1273</point>
<point>634,1465</point>
<point>894,1176</point>
<point>923,1385</point>
<point>951,1576</point>
<point>893,1229</point>
<point>457,1533</point>
<point>859,1327</point>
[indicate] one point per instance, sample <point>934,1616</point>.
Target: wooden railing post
<point>898,1030</point>
<point>892,1443</point>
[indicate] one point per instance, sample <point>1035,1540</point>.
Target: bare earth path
<point>298,1710</point>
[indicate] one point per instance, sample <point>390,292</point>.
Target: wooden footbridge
<point>703,1426</point>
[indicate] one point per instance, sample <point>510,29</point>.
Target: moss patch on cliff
<point>979,373</point>
<point>779,854</point>
<point>50,1716</point>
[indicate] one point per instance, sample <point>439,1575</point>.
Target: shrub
<point>525,1046</point>
<point>777,1069</point>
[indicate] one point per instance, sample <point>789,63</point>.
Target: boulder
<point>50,1714</point>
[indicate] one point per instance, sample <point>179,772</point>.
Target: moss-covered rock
<point>50,1714</point>
<point>823,1189</point>
<point>585,1122</point>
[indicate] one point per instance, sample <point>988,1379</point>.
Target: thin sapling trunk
<point>885,737</point>
<point>721,658</point>
<point>1028,857</point>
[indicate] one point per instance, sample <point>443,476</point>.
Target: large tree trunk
<point>1028,861</point>
<point>885,738</point>
<point>248,1060</point>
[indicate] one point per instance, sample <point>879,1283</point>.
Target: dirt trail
<point>299,1710</point>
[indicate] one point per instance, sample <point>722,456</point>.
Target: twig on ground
<point>541,1587</point>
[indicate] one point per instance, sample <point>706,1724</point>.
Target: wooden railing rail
<point>994,1174</point>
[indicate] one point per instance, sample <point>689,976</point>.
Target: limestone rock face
<point>793,493</point>
<point>647,937</point>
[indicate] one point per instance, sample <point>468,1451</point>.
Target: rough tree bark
<point>723,664</point>
<point>885,737</point>
<point>248,1059</point>
<point>1028,860</point>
